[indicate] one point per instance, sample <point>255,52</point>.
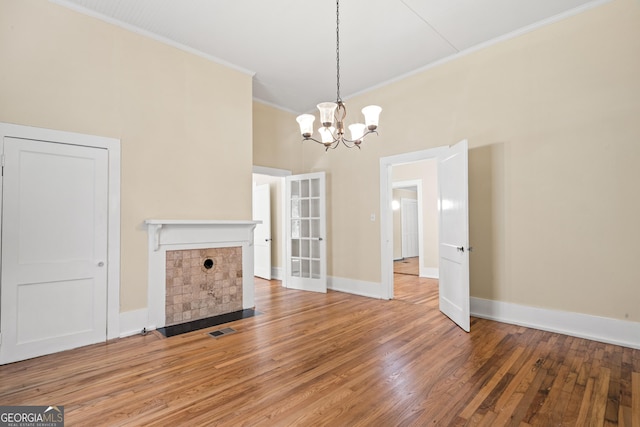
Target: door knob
<point>101,264</point>
<point>460,248</point>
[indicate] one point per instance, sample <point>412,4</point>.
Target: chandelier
<point>332,114</point>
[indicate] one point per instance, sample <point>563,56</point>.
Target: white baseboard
<point>277,273</point>
<point>132,322</point>
<point>603,329</point>
<point>430,272</point>
<point>356,287</point>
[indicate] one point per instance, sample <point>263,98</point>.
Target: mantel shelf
<point>156,226</point>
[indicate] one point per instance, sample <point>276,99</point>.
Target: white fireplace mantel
<point>176,234</point>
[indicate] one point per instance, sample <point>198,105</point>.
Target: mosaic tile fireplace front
<point>201,283</point>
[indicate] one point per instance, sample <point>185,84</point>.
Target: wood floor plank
<point>635,401</point>
<point>339,360</point>
<point>471,408</point>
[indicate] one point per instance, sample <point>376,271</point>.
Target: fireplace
<point>198,269</point>
<point>202,283</point>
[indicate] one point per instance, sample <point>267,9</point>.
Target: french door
<point>306,247</point>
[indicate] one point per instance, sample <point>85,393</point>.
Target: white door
<point>409,213</point>
<point>54,248</point>
<point>262,232</point>
<point>454,234</point>
<point>306,260</point>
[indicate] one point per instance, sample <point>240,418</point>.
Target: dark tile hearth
<point>183,328</point>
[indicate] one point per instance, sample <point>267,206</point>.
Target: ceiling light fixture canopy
<point>333,114</point>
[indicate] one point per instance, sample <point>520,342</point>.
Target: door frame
<point>386,213</point>
<point>112,145</point>
<point>282,235</point>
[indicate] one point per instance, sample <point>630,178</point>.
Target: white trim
<point>145,33</point>
<point>603,329</point>
<point>386,214</point>
<point>277,273</point>
<point>488,43</point>
<point>356,287</point>
<point>133,322</point>
<point>112,145</point>
<point>553,19</point>
<point>264,170</point>
<point>430,272</point>
<point>277,107</point>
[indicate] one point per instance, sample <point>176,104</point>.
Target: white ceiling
<point>290,44</point>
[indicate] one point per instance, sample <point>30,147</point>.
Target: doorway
<point>275,178</point>
<point>415,215</point>
<point>453,227</point>
<point>406,206</point>
<point>262,233</point>
<point>415,226</point>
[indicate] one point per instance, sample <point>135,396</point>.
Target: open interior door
<point>454,234</point>
<point>306,249</point>
<point>262,232</point>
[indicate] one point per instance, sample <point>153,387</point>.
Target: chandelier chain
<point>338,98</point>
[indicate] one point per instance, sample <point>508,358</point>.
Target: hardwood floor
<point>340,360</point>
<point>416,290</point>
<point>407,266</point>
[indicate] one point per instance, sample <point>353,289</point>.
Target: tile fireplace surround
<point>225,284</point>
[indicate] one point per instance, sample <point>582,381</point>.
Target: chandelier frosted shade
<point>306,124</point>
<point>357,131</point>
<point>327,111</point>
<point>326,134</point>
<point>371,116</point>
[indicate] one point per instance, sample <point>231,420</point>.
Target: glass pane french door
<point>306,244</point>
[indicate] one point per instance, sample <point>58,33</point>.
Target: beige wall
<point>552,122</point>
<point>551,118</point>
<point>184,122</point>
<point>276,140</point>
